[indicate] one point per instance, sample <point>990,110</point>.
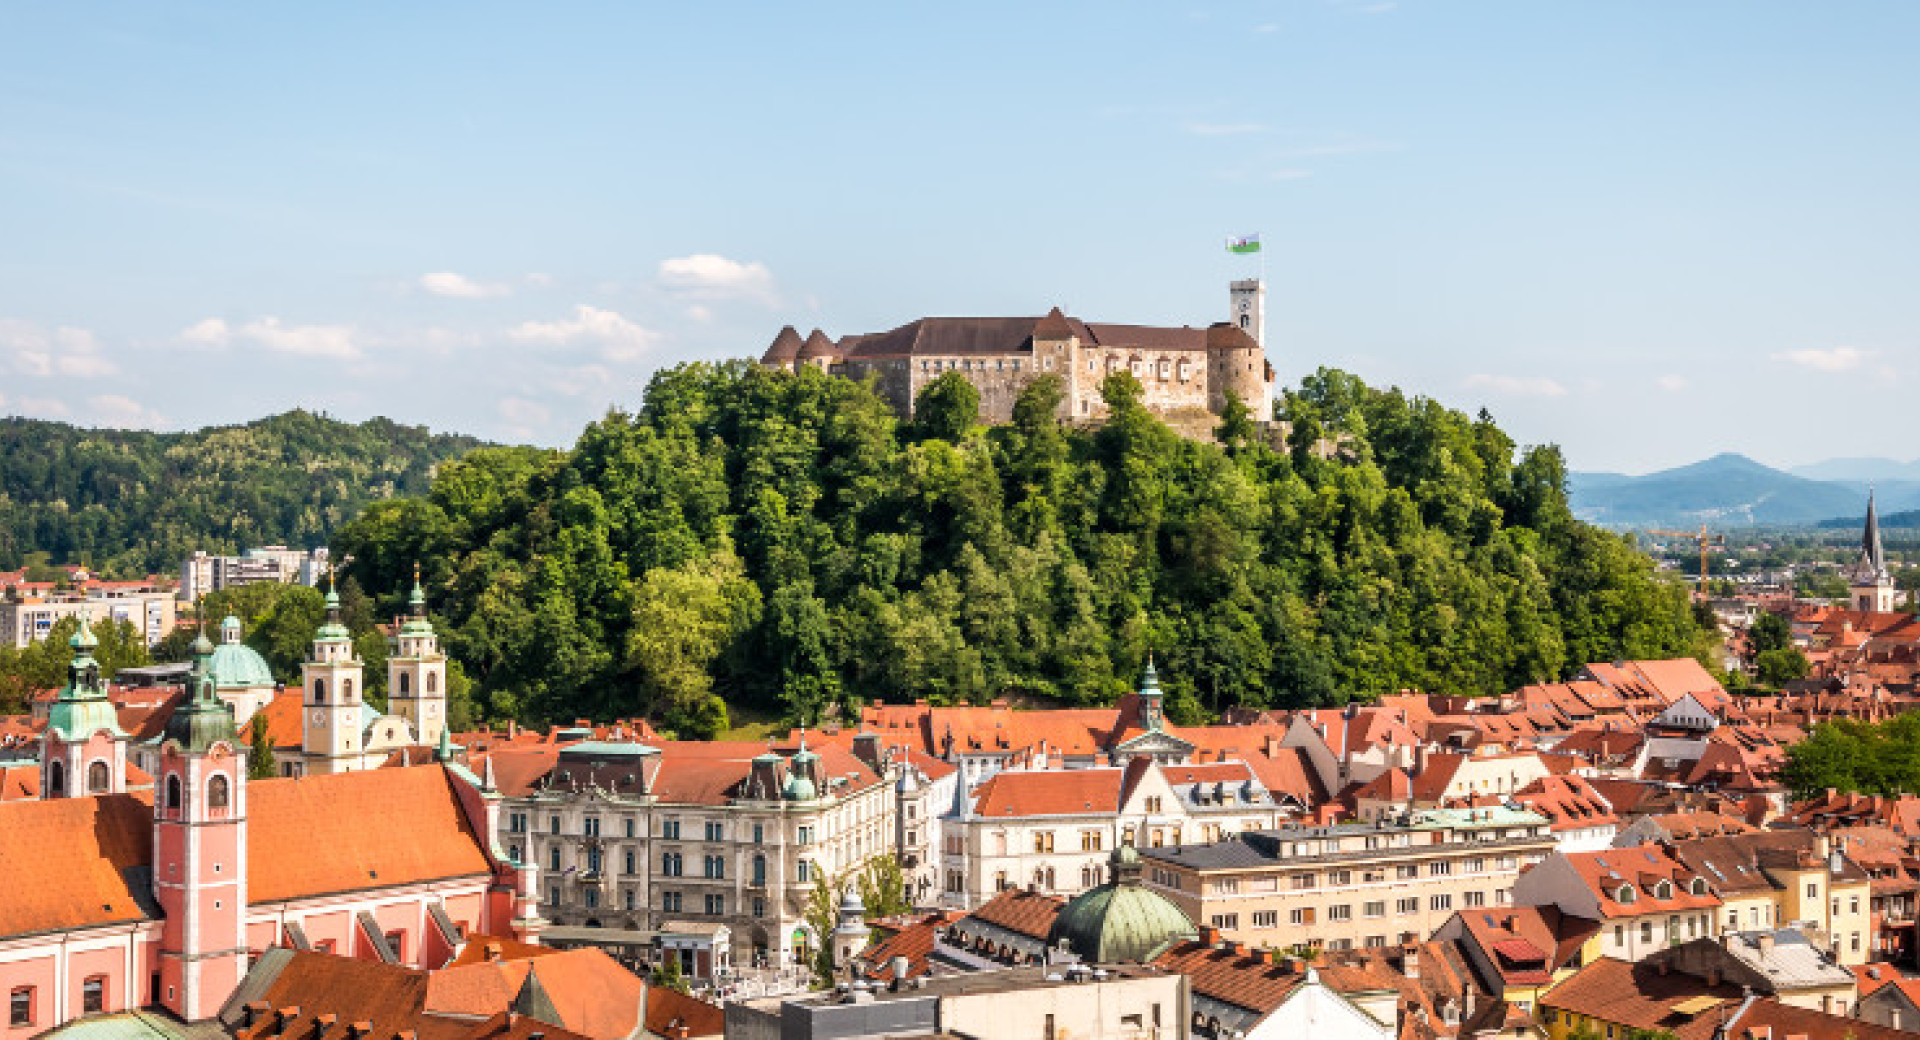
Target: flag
<point>1244,244</point>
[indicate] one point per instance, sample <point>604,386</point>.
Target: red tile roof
<point>1025,913</point>
<point>348,832</point>
<point>1066,792</point>
<point>75,862</point>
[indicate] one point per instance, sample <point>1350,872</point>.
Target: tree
<point>684,618</point>
<point>667,974</point>
<point>947,407</point>
<point>260,764</point>
<point>822,916</point>
<point>883,887</point>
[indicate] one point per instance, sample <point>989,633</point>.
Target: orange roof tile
<point>75,862</point>
<point>1064,792</point>
<point>347,832</point>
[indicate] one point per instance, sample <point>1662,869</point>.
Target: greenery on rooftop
<point>128,503</point>
<point>1859,757</point>
<point>781,541</point>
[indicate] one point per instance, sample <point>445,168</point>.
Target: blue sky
<point>1645,231</point>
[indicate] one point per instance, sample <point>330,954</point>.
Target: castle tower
<point>1871,586</point>
<point>200,849</point>
<point>330,727</point>
<point>784,352</point>
<point>84,751</point>
<point>818,352</point>
<point>417,671</point>
<point>1247,308</point>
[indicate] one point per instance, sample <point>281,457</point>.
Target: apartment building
<point>1357,885</point>
<point>631,837</point>
<point>204,572</point>
<point>1052,831</point>
<point>27,616</point>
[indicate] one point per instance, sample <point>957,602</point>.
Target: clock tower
<point>1247,303</point>
<point>330,719</point>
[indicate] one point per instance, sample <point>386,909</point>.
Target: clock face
<point>1245,306</point>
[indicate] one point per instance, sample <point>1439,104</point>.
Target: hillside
<point>133,502</point>
<point>1725,491</point>
<point>782,541</point>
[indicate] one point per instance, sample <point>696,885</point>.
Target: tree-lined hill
<point>135,502</point>
<point>762,537</point>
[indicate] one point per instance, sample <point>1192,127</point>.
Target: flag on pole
<point>1244,244</point>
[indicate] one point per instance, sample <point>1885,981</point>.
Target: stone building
<point>1186,372</point>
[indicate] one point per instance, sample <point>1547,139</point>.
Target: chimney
<point>1209,935</point>
<point>490,952</point>
<point>1410,961</point>
<point>1765,944</point>
<point>255,1010</point>
<point>901,968</point>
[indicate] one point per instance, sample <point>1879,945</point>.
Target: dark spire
<point>533,1001</point>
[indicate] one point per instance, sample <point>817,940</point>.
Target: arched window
<point>99,778</point>
<point>173,792</point>
<point>217,794</point>
<point>433,682</point>
<point>346,690</point>
<point>406,684</point>
<point>56,778</point>
<point>319,691</point>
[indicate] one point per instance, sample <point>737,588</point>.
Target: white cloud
<point>43,407</point>
<point>122,411</point>
<point>619,338</point>
<point>523,416</point>
<point>1828,359</point>
<point>447,283</point>
<point>1516,386</point>
<point>1671,383</point>
<point>710,274</point>
<point>325,341</point>
<point>1225,129</point>
<point>66,351</point>
<point>207,332</point>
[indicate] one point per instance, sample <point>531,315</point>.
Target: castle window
<point>217,794</point>
<point>406,685</point>
<point>56,779</point>
<point>99,778</point>
<point>173,792</point>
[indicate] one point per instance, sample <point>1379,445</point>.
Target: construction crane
<point>1706,541</point>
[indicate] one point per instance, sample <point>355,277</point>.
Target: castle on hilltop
<point>1186,372</point>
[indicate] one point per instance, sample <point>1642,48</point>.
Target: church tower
<point>330,728</point>
<point>84,751</point>
<point>417,671</point>
<point>1871,586</point>
<point>200,849</point>
<point>1152,711</point>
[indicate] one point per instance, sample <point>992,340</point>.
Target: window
<point>1377,908</point>
<point>629,898</point>
<point>1853,906</point>
<point>517,823</point>
<point>217,793</point>
<point>93,995</point>
<point>1300,915</point>
<point>803,871</point>
<point>319,691</point>
<point>759,834</point>
<point>553,858</point>
<point>670,902</point>
<point>628,826</point>
<point>1043,841</point>
<point>553,825</point>
<point>553,894</point>
<point>1376,941</point>
<point>715,867</point>
<point>1303,881</point>
<point>1153,803</point>
<point>1646,931</point>
<point>593,860</point>
<point>1409,905</point>
<point>433,682</point>
<point>716,905</point>
<point>406,687</point>
<point>1443,901</point>
<point>670,829</point>
<point>1340,878</point>
<point>56,780</point>
<point>714,831</point>
<point>1266,918</point>
<point>1091,841</point>
<point>592,826</point>
<point>20,1005</point>
<point>805,835</point>
<point>593,898</point>
<point>99,778</point>
<point>1813,890</point>
<point>1407,871</point>
<point>671,863</point>
<point>759,869</point>
<point>1225,920</point>
<point>1440,868</point>
<point>346,689</point>
<point>1477,865</point>
<point>173,792</point>
<point>1619,935</point>
<point>1343,912</point>
<point>627,861</point>
<point>1476,899</point>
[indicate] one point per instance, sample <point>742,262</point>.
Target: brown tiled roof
<point>817,346</point>
<point>378,828</point>
<point>19,783</point>
<point>594,995</point>
<point>1025,913</point>
<point>1054,326</point>
<point>1641,867</point>
<point>668,1010</point>
<point>1638,996</point>
<point>784,348</point>
<point>1235,976</point>
<point>75,862</point>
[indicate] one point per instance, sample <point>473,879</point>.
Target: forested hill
<point>134,502</point>
<point>781,540</point>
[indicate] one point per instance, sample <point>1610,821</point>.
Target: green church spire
<point>82,708</point>
<point>204,719</point>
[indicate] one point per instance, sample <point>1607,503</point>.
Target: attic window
<point>1624,894</point>
<point>1663,889</point>
<point>1698,887</point>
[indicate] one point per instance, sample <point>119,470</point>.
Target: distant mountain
<point>1860,470</point>
<point>1727,490</point>
<point>132,501</point>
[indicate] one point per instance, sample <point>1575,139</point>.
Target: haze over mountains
<point>1731,490</point>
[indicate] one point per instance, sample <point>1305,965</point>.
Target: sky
<point>1645,231</point>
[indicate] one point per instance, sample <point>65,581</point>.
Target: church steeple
<point>1871,585</point>
<point>1152,716</point>
<point>204,719</point>
<point>84,750</point>
<point>417,670</point>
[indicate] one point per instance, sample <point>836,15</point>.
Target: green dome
<point>1121,920</point>
<point>798,789</point>
<point>237,665</point>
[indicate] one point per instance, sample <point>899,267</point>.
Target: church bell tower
<point>330,714</point>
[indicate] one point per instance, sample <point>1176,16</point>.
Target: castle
<point>1186,372</point>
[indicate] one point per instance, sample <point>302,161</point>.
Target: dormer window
<point>1698,887</point>
<point>1624,894</point>
<point>1663,890</point>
